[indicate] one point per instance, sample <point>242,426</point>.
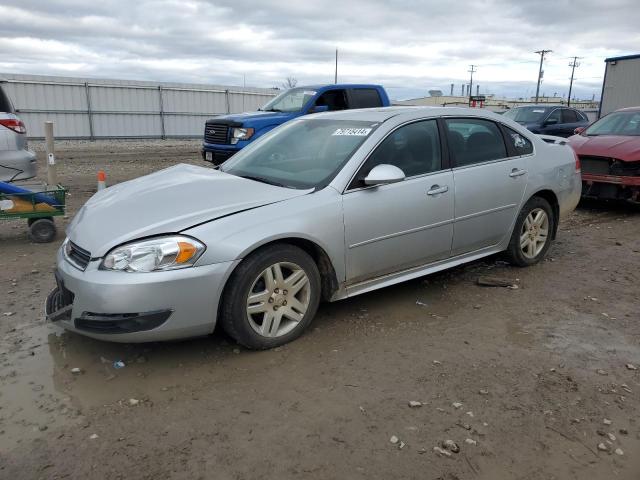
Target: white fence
<point>84,108</point>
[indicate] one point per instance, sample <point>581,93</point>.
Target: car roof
<point>382,114</point>
<point>629,109</point>
<point>340,85</point>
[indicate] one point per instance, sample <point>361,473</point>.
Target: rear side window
<point>474,140</point>
<point>569,116</point>
<point>5,103</point>
<point>521,144</point>
<point>365,98</point>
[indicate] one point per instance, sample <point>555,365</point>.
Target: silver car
<point>322,208</point>
<point>16,162</point>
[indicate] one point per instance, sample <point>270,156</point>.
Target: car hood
<point>626,148</point>
<point>167,201</point>
<point>255,119</point>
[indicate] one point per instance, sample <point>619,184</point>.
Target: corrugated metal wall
<point>621,86</point>
<point>90,108</point>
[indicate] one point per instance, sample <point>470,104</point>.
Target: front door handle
<point>516,172</point>
<point>437,189</point>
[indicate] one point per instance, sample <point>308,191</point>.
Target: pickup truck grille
<point>216,133</point>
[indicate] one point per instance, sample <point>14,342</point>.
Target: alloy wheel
<point>535,233</point>
<point>278,299</point>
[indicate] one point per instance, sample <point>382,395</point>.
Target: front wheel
<point>531,237</point>
<point>271,297</point>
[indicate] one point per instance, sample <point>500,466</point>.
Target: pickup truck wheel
<point>271,297</point>
<point>531,237</point>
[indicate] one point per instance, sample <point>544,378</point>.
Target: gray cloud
<point>409,45</point>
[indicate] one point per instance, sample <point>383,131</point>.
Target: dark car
<point>549,120</point>
<point>609,151</point>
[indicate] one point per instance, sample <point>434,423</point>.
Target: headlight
<point>155,254</point>
<point>241,134</point>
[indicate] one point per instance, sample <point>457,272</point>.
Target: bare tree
<point>289,82</point>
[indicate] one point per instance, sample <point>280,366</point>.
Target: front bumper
<point>613,187</point>
<point>219,153</point>
<point>141,307</point>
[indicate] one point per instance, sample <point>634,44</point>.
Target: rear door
<point>389,228</point>
<point>489,178</point>
<point>570,121</point>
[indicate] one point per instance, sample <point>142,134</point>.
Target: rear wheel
<point>272,297</point>
<point>42,230</point>
<point>531,237</point>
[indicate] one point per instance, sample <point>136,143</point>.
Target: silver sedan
<point>322,208</point>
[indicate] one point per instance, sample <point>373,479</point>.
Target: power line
<point>542,53</point>
<point>573,66</point>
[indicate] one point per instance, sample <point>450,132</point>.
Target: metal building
<point>91,108</point>
<point>621,85</point>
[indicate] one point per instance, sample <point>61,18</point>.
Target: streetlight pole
<point>471,70</point>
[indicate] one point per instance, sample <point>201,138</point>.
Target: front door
<point>389,228</point>
<point>489,179</point>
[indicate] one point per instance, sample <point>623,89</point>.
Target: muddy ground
<point>536,373</point>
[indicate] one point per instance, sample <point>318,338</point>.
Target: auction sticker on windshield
<point>353,132</point>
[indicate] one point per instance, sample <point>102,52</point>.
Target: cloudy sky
<point>410,46</point>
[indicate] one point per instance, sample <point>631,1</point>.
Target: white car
<point>16,162</point>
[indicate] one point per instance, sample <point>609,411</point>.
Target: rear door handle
<point>517,173</point>
<point>437,189</point>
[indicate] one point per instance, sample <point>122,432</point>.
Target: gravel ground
<point>527,381</point>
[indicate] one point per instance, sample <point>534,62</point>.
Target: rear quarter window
<point>520,143</point>
<point>5,103</point>
<point>364,98</point>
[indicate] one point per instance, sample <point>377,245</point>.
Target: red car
<point>609,151</point>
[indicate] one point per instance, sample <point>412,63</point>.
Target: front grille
<point>78,256</point>
<point>216,133</point>
<point>595,165</point>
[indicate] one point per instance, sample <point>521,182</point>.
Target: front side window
<point>618,123</point>
<point>305,153</point>
<point>333,99</point>
<point>290,101</point>
<point>413,148</point>
<point>520,143</point>
<point>474,140</point>
<point>554,117</point>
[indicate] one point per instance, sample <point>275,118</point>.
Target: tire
<point>42,230</point>
<point>525,251</point>
<point>275,315</point>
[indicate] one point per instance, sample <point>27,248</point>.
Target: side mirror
<point>319,109</point>
<point>551,121</point>
<point>579,130</point>
<point>384,174</point>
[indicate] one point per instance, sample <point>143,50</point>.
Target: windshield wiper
<point>263,180</point>
<point>272,110</point>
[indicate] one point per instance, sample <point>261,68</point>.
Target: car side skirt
<point>414,272</point>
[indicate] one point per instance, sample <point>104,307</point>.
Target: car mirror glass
<point>384,174</point>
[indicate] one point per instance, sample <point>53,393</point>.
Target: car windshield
<point>302,154</point>
<point>619,123</point>
<point>290,101</point>
<point>526,114</point>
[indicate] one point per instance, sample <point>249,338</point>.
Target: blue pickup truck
<point>225,135</point>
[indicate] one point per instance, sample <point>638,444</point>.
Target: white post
<point>52,176</point>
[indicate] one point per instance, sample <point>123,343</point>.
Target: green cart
<point>38,206</point>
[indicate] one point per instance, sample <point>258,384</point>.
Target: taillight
<point>578,166</point>
<point>13,124</point>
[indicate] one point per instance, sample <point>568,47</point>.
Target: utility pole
<point>542,53</point>
<point>573,66</point>
<point>471,70</point>
<point>335,79</point>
